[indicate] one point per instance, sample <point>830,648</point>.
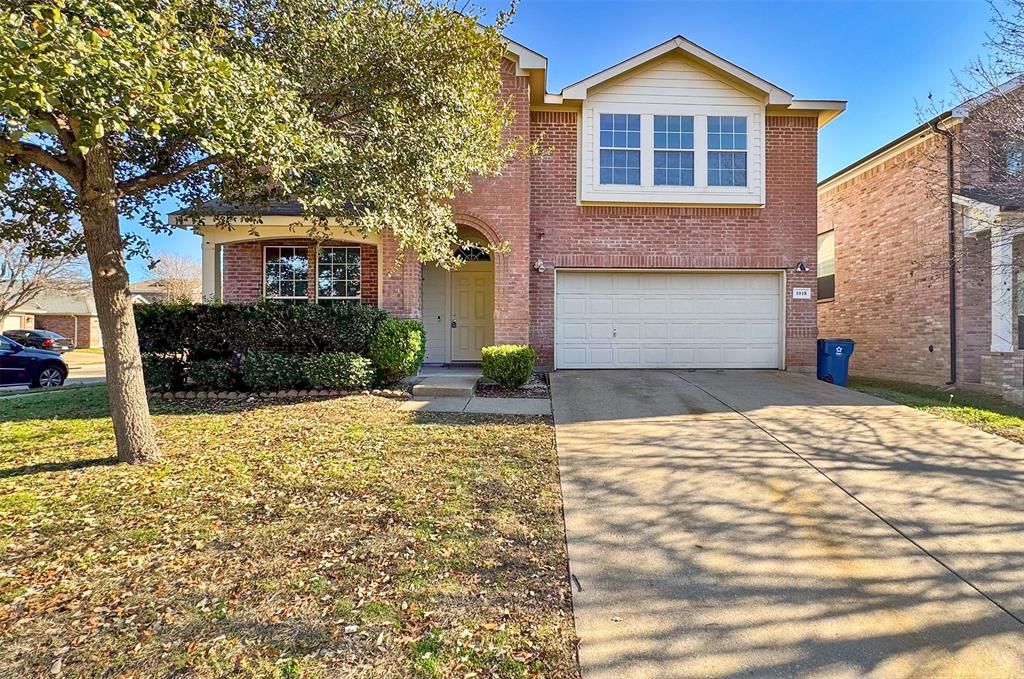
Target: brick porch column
<point>400,287</point>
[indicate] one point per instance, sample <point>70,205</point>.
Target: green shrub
<point>162,372</point>
<point>268,371</point>
<point>339,371</point>
<point>397,348</point>
<point>206,331</point>
<point>510,365</point>
<point>212,373</point>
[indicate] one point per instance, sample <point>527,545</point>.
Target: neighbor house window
<point>1007,163</point>
<point>727,151</point>
<point>620,148</point>
<point>673,150</point>
<point>338,274</point>
<point>286,272</point>
<point>827,265</point>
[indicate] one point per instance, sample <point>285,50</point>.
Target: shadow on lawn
<point>47,467</point>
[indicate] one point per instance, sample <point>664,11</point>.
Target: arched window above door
<point>473,253</point>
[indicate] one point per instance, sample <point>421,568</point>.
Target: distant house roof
<point>81,304</point>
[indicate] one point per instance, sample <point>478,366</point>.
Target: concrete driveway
<point>765,524</point>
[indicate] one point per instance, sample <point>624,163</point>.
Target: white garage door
<point>667,320</point>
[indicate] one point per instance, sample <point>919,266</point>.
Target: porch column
<point>1002,289</point>
<point>210,271</point>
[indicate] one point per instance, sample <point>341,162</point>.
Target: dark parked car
<point>41,339</point>
<point>27,365</point>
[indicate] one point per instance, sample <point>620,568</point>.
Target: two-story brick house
<point>913,240</point>
<point>666,222</point>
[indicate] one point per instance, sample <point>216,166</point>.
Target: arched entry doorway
<point>458,305</point>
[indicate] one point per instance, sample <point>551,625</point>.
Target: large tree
<point>376,110</point>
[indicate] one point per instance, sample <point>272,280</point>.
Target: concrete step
<point>446,385</point>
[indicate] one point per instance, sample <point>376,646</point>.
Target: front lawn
<point>981,411</point>
<point>313,538</point>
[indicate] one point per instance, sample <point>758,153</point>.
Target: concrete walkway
<point>478,405</point>
<point>764,524</point>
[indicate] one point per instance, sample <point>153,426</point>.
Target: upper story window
<point>620,149</point>
<point>1007,162</point>
<point>673,150</point>
<point>338,273</point>
<point>727,151</point>
<point>286,272</point>
<point>826,265</point>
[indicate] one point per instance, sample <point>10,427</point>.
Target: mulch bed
<point>537,387</point>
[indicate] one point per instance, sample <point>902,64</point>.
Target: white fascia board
<point>775,95</point>
<point>526,57</point>
<point>964,109</point>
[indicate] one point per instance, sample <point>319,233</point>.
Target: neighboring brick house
<point>72,315</point>
<point>886,224</point>
<point>668,221</point>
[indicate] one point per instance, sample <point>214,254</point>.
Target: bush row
<point>260,371</point>
<point>269,346</point>
<point>203,331</point>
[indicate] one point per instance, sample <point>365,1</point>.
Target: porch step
<point>446,385</point>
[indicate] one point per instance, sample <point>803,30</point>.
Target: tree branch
<point>37,155</point>
<point>154,180</point>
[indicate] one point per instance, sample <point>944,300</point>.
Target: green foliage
<point>201,331</point>
<point>339,371</point>
<point>510,365</point>
<point>162,372</point>
<point>381,110</point>
<point>398,348</point>
<point>212,373</point>
<point>266,371</point>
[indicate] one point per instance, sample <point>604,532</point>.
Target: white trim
<point>316,274</point>
<point>773,93</point>
<point>264,273</point>
<point>753,194</point>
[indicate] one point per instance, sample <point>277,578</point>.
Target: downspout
<point>952,248</point>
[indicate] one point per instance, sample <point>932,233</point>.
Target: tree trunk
<point>129,410</point>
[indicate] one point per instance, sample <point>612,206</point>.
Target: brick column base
<point>1003,373</point>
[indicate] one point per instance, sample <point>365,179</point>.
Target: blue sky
<point>882,57</point>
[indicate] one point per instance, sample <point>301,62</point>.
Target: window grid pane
<point>727,151</point>
<point>286,274</point>
<point>339,274</point>
<point>673,168</point>
<point>620,148</point>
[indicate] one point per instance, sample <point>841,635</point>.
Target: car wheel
<point>50,377</point>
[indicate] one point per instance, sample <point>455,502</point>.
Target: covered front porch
<point>462,310</point>
<point>992,227</point>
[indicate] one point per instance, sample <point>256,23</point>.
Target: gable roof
<point>775,94</point>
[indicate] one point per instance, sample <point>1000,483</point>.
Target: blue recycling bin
<point>834,360</point>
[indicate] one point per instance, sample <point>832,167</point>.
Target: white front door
<point>458,311</point>
<point>638,319</point>
<point>472,310</point>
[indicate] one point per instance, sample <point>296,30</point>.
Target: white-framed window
<point>827,265</point>
<point>286,272</point>
<point>727,151</point>
<point>673,150</point>
<point>620,149</point>
<point>338,273</point>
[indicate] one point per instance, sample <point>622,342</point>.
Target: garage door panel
<point>667,319</point>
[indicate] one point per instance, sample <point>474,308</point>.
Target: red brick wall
<point>243,268</point>
<point>777,236</point>
<point>88,335</point>
<point>499,207</point>
<point>892,286</point>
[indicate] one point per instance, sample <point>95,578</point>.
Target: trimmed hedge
<point>398,348</point>
<point>212,373</point>
<point>163,373</point>
<point>510,365</point>
<point>206,331</point>
<point>266,371</point>
<point>339,371</point>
